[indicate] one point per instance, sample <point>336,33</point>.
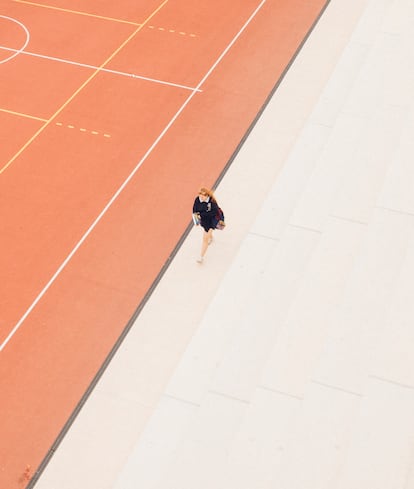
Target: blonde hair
<point>206,191</point>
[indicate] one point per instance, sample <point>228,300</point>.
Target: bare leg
<point>207,237</point>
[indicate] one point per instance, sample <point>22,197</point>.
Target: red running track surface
<point>98,171</point>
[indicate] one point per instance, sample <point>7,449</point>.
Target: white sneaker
<point>200,259</point>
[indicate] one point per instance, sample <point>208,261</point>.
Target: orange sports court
<point>112,115</point>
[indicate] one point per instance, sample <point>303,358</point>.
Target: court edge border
<point>141,305</point>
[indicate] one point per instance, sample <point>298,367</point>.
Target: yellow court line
<point>75,12</point>
<point>27,116</point>
<point>83,86</point>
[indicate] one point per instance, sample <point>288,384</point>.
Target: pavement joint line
<point>334,387</point>
<point>281,393</point>
<point>397,211</point>
<point>305,228</point>
<point>396,35</point>
<point>321,124</point>
<point>394,382</point>
<point>350,112</point>
<point>264,236</point>
<point>233,398</point>
<point>348,219</point>
<point>181,400</point>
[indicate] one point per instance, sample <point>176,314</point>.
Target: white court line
<point>76,12</point>
<point>121,188</point>
<point>95,68</point>
<point>26,42</point>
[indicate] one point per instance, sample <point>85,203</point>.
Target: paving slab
<point>257,454</point>
<point>239,371</point>
<point>303,334</point>
<point>362,182</point>
<point>397,192</point>
<point>392,358</point>
<point>314,205</point>
<point>380,454</point>
<point>201,459</point>
<point>358,321</point>
<point>197,366</point>
<point>157,445</point>
<point>289,186</point>
<point>319,439</point>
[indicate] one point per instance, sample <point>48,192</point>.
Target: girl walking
<point>205,213</point>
